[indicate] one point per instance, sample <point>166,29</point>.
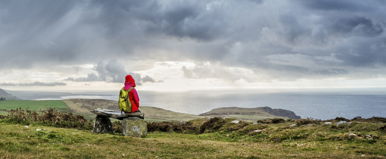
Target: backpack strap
<point>128,95</point>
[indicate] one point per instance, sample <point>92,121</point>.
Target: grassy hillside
<point>275,141</point>
<point>6,95</point>
<point>251,114</point>
<point>151,113</point>
<point>246,117</point>
<point>34,105</point>
<point>83,107</point>
<point>159,114</point>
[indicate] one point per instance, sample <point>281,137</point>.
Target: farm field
<point>34,105</point>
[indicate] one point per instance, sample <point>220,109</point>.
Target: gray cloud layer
<point>112,71</point>
<point>34,84</point>
<point>288,39</point>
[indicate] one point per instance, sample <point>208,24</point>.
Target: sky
<point>176,45</point>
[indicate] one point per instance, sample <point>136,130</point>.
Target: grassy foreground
<point>35,141</point>
<point>52,134</point>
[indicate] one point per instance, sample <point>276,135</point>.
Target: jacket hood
<point>129,80</point>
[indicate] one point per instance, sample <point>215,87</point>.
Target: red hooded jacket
<point>133,94</point>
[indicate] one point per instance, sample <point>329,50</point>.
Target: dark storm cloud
<point>360,26</point>
<point>112,71</point>
<point>69,31</point>
<point>349,5</point>
<point>288,39</point>
<point>364,53</point>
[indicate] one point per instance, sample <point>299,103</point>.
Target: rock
<point>341,122</point>
<point>371,137</point>
<point>235,121</point>
<point>327,123</point>
<point>102,124</point>
<point>39,129</point>
<point>134,127</point>
<point>352,136</point>
<point>132,123</point>
<point>26,126</point>
<point>293,125</point>
<point>257,131</point>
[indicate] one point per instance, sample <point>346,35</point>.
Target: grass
<point>34,105</point>
<point>18,141</point>
<point>199,138</point>
<point>231,140</point>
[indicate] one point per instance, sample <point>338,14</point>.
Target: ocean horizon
<point>317,105</point>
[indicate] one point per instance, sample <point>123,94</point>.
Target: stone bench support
<point>102,124</point>
<point>132,123</point>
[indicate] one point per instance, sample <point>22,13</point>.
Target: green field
<point>35,105</point>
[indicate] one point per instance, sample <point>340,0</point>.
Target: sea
<point>307,104</point>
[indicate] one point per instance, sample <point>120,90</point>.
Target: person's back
<point>128,96</point>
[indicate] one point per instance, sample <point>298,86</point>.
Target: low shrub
<point>50,117</point>
<point>383,128</point>
<point>172,126</point>
<point>307,121</point>
<point>341,119</point>
<point>229,127</point>
<point>376,120</point>
<point>198,125</point>
<point>271,121</point>
<point>361,126</point>
<point>212,125</point>
<point>372,119</point>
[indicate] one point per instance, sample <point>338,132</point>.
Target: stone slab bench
<point>133,124</point>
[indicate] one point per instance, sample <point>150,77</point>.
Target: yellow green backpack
<point>124,102</point>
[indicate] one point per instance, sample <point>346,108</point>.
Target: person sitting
<point>128,96</point>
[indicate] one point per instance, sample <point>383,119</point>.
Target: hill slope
<point>251,113</point>
<point>84,106</point>
<point>6,95</point>
<point>36,141</point>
